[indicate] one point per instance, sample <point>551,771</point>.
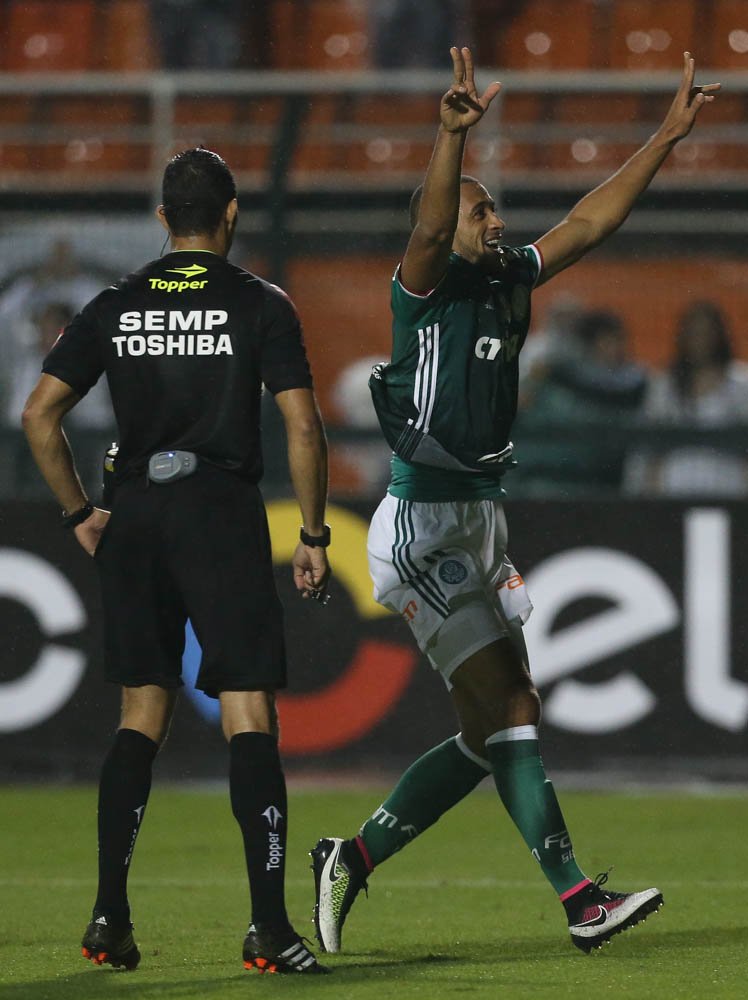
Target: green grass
<point>462,912</point>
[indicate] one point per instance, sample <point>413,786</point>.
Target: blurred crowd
<point>611,423</point>
<point>592,418</point>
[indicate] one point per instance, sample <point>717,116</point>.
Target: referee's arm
<point>42,419</point>
<point>307,463</point>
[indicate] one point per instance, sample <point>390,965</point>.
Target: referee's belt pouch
<point>168,466</point>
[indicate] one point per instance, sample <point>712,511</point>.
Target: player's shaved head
<point>415,198</point>
<point>197,187</point>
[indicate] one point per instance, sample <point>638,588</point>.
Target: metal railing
<point>78,149</point>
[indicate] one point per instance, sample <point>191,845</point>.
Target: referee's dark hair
<point>197,187</point>
<point>415,199</point>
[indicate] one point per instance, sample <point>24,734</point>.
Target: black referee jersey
<point>186,343</point>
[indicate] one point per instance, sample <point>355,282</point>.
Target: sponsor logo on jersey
<point>160,285</point>
<point>172,332</point>
<point>488,348</point>
<point>452,571</point>
<point>189,273</point>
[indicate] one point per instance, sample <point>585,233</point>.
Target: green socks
<point>530,800</point>
<point>432,785</point>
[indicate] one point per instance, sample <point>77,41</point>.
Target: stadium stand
<point>543,35</point>
<point>729,34</point>
<point>43,37</point>
<point>320,34</point>
<point>95,135</point>
<point>126,37</point>
<point>652,34</point>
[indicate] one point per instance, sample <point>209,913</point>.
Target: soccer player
<point>187,343</point>
<point>438,541</point>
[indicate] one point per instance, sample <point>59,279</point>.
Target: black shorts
<point>198,548</point>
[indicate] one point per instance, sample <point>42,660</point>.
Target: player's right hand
<point>461,106</point>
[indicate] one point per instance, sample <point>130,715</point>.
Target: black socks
<point>258,800</point>
<point>124,786</point>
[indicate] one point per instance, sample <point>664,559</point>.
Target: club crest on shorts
<point>452,571</point>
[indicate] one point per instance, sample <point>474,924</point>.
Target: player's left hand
<point>311,571</point>
<point>687,103</point>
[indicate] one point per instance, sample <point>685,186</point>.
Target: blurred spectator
<point>411,33</point>
<point>554,342</point>
<point>34,305</point>
<point>93,412</point>
<point>603,379</point>
<point>593,383</point>
<point>704,387</point>
<point>365,464</point>
<point>199,34</point>
<point>60,278</point>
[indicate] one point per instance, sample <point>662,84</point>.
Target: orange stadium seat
<point>45,36</point>
<point>319,34</point>
<point>91,143</point>
<point>729,34</point>
<point>514,147</point>
<point>126,41</point>
<point>653,34</point>
<point>546,34</point>
<point>593,144</point>
<point>360,323</point>
<point>316,151</point>
<point>15,154</point>
<point>396,135</point>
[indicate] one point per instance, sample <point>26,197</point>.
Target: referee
<point>187,344</point>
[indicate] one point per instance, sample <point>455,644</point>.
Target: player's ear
<point>231,211</point>
<point>161,216</point>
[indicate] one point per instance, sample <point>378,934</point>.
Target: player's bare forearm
<point>440,201</point>
<point>427,255</point>
<point>603,210</point>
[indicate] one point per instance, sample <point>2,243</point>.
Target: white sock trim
<point>515,733</point>
<point>481,761</point>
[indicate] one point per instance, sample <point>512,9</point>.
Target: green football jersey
<point>448,398</point>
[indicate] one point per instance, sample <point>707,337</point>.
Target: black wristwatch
<point>316,541</point>
<point>78,516</point>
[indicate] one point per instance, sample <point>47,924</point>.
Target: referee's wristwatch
<point>316,541</point>
<point>78,516</point>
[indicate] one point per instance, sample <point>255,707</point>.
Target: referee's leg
<point>124,787</point>
<point>258,799</point>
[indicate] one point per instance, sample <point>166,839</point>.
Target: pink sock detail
<point>574,889</point>
<point>364,853</point>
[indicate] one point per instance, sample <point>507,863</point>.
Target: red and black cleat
<point>278,950</point>
<point>108,943</point>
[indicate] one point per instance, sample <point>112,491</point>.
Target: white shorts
<point>444,568</point>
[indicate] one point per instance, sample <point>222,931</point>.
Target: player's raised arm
<point>426,258</point>
<point>603,210</point>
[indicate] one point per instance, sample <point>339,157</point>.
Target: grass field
<point>462,912</point>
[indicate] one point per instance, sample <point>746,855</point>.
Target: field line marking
<point>383,883</point>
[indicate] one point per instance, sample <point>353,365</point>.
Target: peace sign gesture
<point>461,106</point>
<point>687,103</point>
